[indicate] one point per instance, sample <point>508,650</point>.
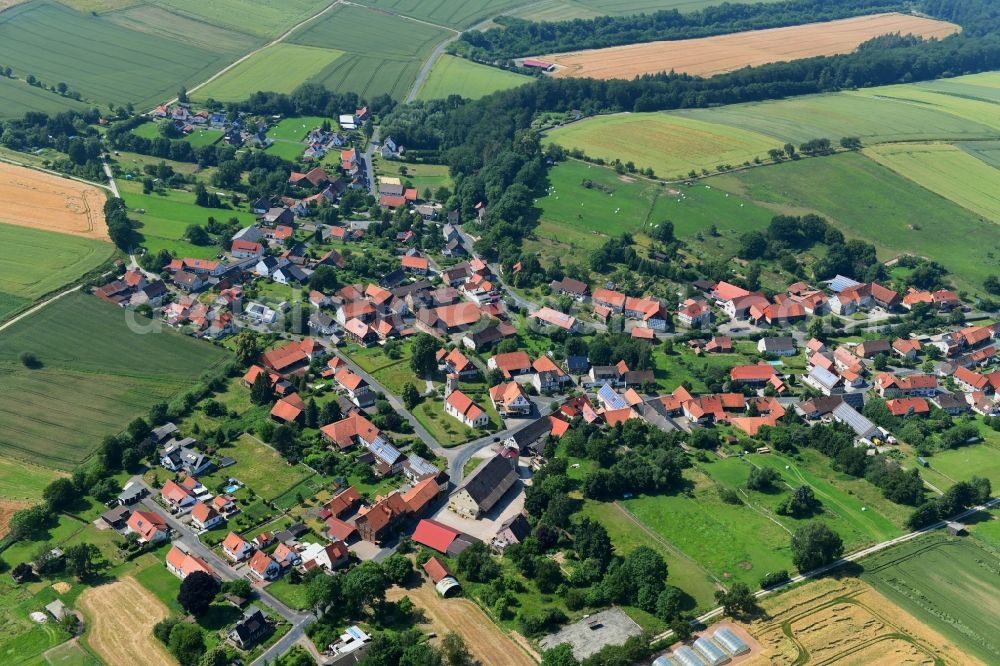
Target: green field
<point>22,481</point>
<point>946,170</point>
<point>383,52</point>
<point>671,145</point>
<point>949,583</point>
<point>866,200</point>
<point>835,115</point>
<point>987,151</point>
<point>264,18</point>
<point>953,465</point>
<point>97,375</point>
<point>567,227</point>
<point>167,216</point>
<point>421,175</point>
<point>34,263</point>
<point>278,68</point>
<point>203,137</point>
<point>452,75</point>
<point>286,151</point>
<point>106,61</point>
<point>451,13</point>
<point>19,98</point>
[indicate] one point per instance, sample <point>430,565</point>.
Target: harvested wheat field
<point>44,201</point>
<point>488,644</point>
<point>120,619</point>
<point>846,622</point>
<point>724,53</point>
<point>7,509</point>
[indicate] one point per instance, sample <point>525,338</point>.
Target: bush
<point>30,361</point>
<point>773,579</point>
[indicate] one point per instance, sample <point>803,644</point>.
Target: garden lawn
<point>286,150</point>
<point>953,465</point>
<point>946,170</point>
<point>444,428</point>
<point>296,129</point>
<point>452,75</point>
<point>22,641</point>
<point>293,596</point>
<point>422,176</point>
<point>279,68</point>
<point>868,201</point>
<point>258,467</point>
<point>97,374</point>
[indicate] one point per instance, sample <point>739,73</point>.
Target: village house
<point>181,563</point>
<point>150,527</point>
<point>176,496</point>
<point>694,313</point>
<point>454,362</point>
<point>548,377</point>
<point>356,388</point>
<point>510,364</point>
<point>250,630</point>
<point>235,547</point>
<point>569,287</point>
<point>353,430</point>
<point>262,567</point>
<point>509,399</point>
<point>326,557</point>
<point>205,517</point>
<point>778,346</point>
<point>555,318</point>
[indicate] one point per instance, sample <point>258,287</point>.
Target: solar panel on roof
<point>685,656</point>
<point>712,653</point>
<point>732,643</point>
<point>840,283</point>
<point>611,398</point>
<point>824,377</point>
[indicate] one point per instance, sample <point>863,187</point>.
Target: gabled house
<point>250,630</point>
<point>509,399</point>
<point>510,364</point>
<point>151,527</point>
<point>328,557</point>
<point>205,517</point>
<point>177,496</point>
<point>181,563</point>
<point>263,567</point>
<point>236,548</point>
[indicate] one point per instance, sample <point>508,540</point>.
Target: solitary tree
<point>82,560</point>
<point>815,545</point>
<point>198,590</point>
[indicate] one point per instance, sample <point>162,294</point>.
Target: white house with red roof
<point>462,407</point>
<point>262,567</point>
<point>182,563</point>
<point>151,527</point>
<point>235,547</point>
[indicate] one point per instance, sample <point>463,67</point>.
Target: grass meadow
<point>946,170</point>
<point>20,480</point>
<point>108,61</point>
<point>296,129</point>
<point>278,68</point>
<point>96,376</point>
<point>672,145</point>
<point>167,216</point>
<point>733,543</point>
<point>868,201</point>
<point>948,583</point>
<point>260,468</point>
<point>421,175</point>
<point>452,75</point>
<point>566,227</point>
<point>383,53</point>
<point>34,263</point>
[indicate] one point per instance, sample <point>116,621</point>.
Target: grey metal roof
<point>854,419</point>
<point>824,377</point>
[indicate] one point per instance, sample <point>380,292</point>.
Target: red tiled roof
<point>904,406</point>
<point>343,501</point>
<point>415,263</point>
<point>434,535</point>
<point>436,570</point>
<point>512,361</point>
<point>761,372</point>
<point>727,292</point>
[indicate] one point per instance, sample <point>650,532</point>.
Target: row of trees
<point>518,37</point>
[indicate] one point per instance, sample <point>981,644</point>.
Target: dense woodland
<point>518,37</point>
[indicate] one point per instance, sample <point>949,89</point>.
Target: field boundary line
<point>67,176</point>
<point>33,310</point>
<point>280,38</point>
<point>663,542</point>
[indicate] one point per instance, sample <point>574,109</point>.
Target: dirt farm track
<point>50,203</point>
<point>488,644</point>
<point>724,53</point>
<point>121,616</point>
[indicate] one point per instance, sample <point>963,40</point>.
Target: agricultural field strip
<point>933,167</point>
<point>279,68</point>
<point>714,55</point>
